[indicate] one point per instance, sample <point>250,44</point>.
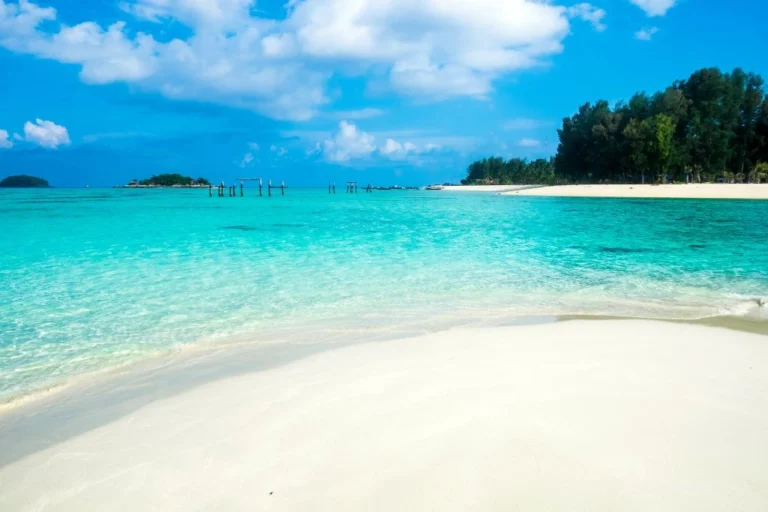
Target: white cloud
<point>646,34</point>
<point>46,134</point>
<point>247,159</point>
<point>522,123</point>
<point>227,14</point>
<point>253,146</point>
<point>348,143</point>
<point>529,143</point>
<point>397,151</point>
<point>363,113</point>
<point>588,13</point>
<point>221,62</point>
<point>434,49</point>
<point>655,7</point>
<point>280,68</point>
<point>5,141</point>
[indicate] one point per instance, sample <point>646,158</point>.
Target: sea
<point>93,279</point>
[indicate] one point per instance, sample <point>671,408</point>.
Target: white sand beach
<point>579,415</point>
<point>692,191</point>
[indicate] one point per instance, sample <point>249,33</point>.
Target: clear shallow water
<point>94,278</point>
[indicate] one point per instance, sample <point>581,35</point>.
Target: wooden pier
<point>232,189</point>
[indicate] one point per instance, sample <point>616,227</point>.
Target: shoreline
<point>275,393</point>
<point>755,321</point>
<point>486,188</point>
<point>677,191</point>
<point>114,391</point>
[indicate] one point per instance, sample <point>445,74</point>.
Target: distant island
<point>169,181</point>
<point>24,181</point>
<point>711,127</point>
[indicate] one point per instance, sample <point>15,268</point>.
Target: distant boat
<point>433,187</point>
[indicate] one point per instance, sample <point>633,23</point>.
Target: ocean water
<point>90,279</point>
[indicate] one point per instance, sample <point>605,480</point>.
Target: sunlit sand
<point>577,415</point>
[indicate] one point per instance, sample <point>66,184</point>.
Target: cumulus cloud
<point>280,68</point>
<point>435,49</point>
<point>253,146</point>
<point>394,150</point>
<point>221,62</point>
<point>348,143</point>
<point>529,143</point>
<point>588,13</point>
<point>646,34</point>
<point>655,7</point>
<point>46,134</point>
<point>5,141</point>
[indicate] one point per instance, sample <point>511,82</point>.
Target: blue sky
<point>309,91</point>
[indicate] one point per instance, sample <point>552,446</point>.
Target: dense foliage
<point>496,171</point>
<point>170,180</point>
<point>24,181</point>
<point>711,127</point>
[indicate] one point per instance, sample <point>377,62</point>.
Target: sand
<point>577,415</point>
<point>693,191</point>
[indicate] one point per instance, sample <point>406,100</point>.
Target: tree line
<point>169,180</point>
<point>711,127</point>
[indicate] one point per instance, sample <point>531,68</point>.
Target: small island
<point>169,181</point>
<point>23,181</point>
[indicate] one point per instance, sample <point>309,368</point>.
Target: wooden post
<point>282,187</point>
<point>260,184</point>
<point>269,188</point>
<point>329,187</point>
<point>210,190</point>
<point>334,188</point>
<point>241,189</point>
<point>355,188</point>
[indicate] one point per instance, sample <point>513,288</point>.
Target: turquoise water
<point>94,278</point>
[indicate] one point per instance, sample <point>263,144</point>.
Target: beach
<point>174,351</point>
<point>574,415</point>
<point>689,191</point>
